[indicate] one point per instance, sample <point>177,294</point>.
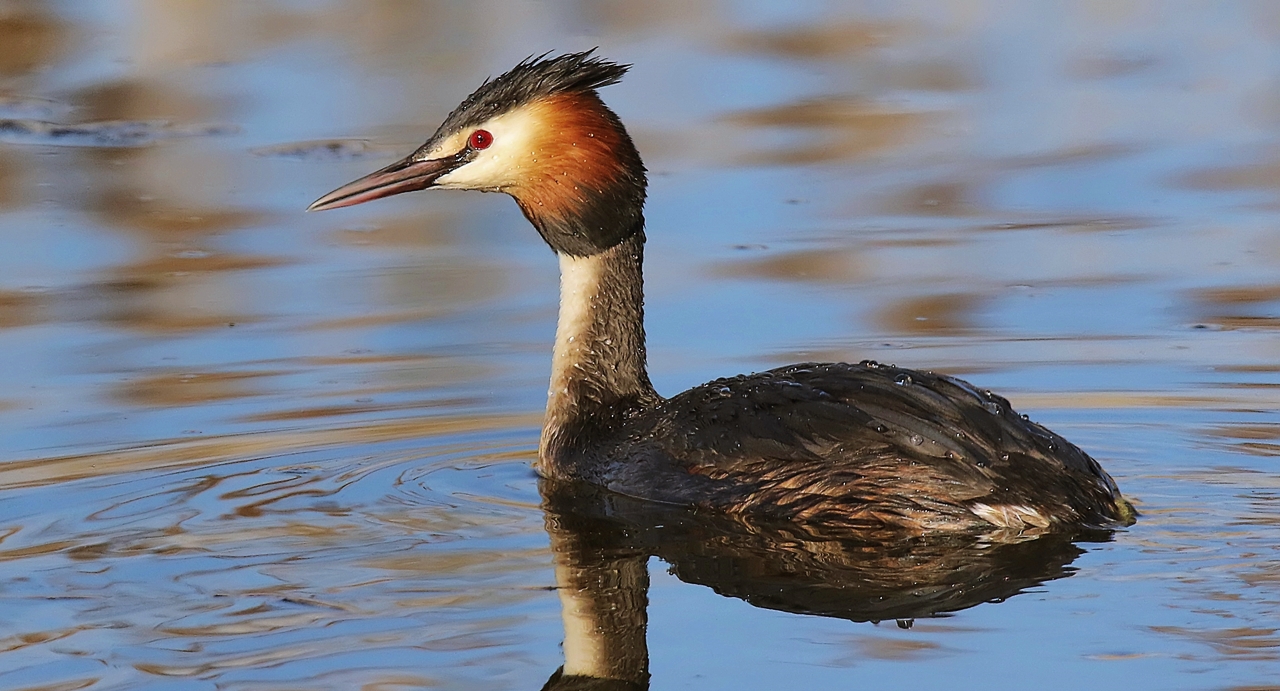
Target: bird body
<point>859,446</point>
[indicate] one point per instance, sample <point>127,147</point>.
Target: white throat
<point>579,288</point>
<point>597,366</point>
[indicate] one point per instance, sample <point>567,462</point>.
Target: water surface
<point>244,447</point>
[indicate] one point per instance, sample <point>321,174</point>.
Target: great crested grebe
<point>865,446</point>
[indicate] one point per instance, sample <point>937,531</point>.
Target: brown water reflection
<point>817,42</point>
<point>32,37</point>
<point>10,180</point>
<point>164,454</point>
<point>1239,307</point>
<point>819,266</point>
<point>843,128</point>
<point>931,314</point>
<point>144,295</point>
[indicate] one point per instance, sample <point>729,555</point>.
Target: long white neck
<point>598,365</point>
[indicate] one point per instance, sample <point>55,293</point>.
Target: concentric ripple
<point>225,569</point>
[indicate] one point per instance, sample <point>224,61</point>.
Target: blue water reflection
<point>246,447</point>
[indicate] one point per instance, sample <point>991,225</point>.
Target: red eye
<point>480,139</point>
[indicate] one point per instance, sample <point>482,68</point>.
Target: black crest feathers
<point>536,77</point>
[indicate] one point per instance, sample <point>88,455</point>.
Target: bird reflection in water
<point>602,543</point>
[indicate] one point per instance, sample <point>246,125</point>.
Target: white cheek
<point>489,169</point>
<point>505,163</point>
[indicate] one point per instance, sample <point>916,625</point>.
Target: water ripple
<point>299,558</point>
<point>108,133</point>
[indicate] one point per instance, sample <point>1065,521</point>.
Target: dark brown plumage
<point>859,446</point>
<point>855,447</point>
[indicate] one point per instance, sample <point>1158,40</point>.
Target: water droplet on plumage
<point>902,380</point>
<point>993,408</point>
<point>870,364</point>
<point>917,439</point>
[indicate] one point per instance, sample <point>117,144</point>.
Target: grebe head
<point>541,134</point>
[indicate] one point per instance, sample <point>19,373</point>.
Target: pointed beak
<point>405,175</point>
